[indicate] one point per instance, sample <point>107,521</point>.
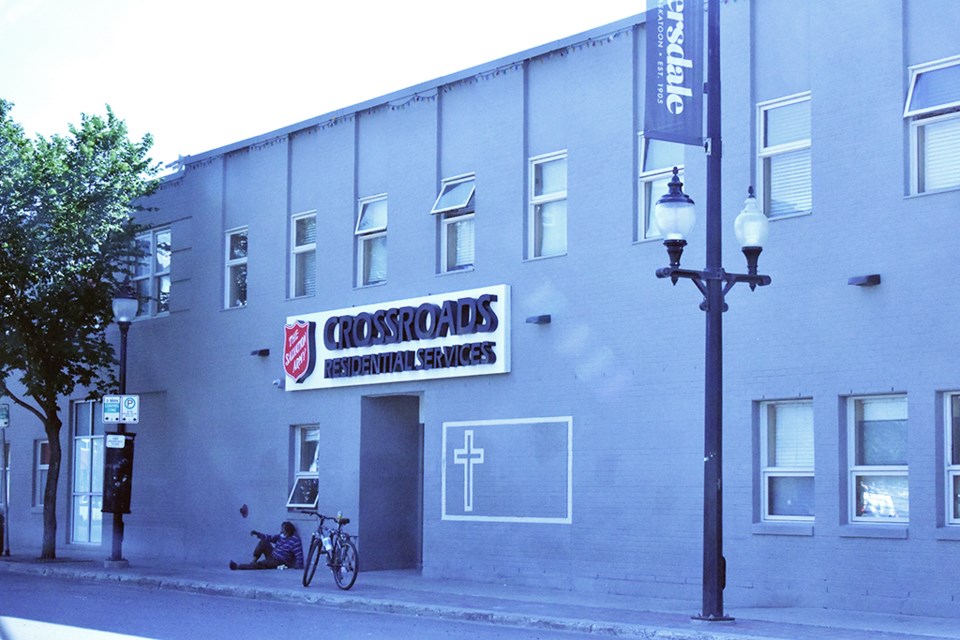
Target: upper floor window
<point>784,155</point>
<point>657,160</point>
<point>371,233</point>
<point>952,416</point>
<point>786,460</point>
<point>933,110</point>
<point>455,207</point>
<point>548,205</point>
<point>152,275</point>
<point>235,275</point>
<point>303,494</point>
<point>303,255</point>
<point>877,459</point>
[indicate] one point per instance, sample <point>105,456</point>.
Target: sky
<point>200,74</point>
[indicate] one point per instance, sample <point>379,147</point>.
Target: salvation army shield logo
<point>299,349</point>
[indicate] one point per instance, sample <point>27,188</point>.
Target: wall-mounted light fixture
<point>541,319</point>
<point>871,280</point>
<point>263,353</point>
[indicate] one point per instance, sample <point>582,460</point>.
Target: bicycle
<point>339,548</point>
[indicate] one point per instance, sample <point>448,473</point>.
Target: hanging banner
<point>674,68</point>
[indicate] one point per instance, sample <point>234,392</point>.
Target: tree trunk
<point>51,425</point>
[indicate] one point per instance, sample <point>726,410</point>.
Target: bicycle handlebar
<point>338,519</point>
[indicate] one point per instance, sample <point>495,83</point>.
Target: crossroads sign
<point>461,333</point>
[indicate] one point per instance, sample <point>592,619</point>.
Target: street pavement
<point>409,593</point>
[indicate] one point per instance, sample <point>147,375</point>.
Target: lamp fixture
<point>125,303</point>
<point>675,211</point>
<point>871,280</point>
<point>675,216</point>
<point>751,228</point>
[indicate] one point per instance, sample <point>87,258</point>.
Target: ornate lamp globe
<point>675,213</point>
<point>751,226</point>
<point>125,304</point>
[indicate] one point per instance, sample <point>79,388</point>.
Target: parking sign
<point>123,409</point>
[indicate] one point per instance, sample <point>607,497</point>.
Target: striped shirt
<point>288,551</point>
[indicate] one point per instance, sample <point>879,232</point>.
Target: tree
<point>66,235</point>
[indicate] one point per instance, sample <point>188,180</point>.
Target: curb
<point>383,605</point>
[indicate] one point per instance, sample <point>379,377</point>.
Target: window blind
<point>463,231</point>
<point>789,179</point>
<point>940,147</point>
<point>787,124</point>
<point>793,439</point>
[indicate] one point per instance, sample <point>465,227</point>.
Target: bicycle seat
<point>344,520</point>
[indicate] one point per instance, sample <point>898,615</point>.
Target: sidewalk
<point>406,592</point>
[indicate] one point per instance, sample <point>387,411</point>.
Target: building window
<point>303,494</point>
<point>371,233</point>
<point>877,450</point>
<point>87,485</point>
<point>784,140</point>
<point>952,414</point>
<point>657,160</point>
<point>41,467</point>
<point>786,452</point>
<point>933,110</point>
<point>303,255</point>
<point>455,207</point>
<point>235,287</point>
<point>152,275</point>
<point>548,205</point>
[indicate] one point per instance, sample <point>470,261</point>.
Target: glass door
<point>87,485</point>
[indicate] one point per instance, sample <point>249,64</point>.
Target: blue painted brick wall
<point>623,355</point>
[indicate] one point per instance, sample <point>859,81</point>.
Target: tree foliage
<point>66,234</point>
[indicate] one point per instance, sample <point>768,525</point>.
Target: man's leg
<point>266,563</point>
<point>263,548</point>
<point>262,558</point>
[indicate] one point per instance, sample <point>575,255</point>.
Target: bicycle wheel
<point>313,559</point>
<point>346,564</point>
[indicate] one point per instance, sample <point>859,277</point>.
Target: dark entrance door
<point>391,483</point>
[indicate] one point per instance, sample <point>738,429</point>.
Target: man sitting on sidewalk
<point>281,550</point>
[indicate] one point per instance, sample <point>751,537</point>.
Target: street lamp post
<point>675,217</point>
<point>125,305</point>
<point>4,486</point>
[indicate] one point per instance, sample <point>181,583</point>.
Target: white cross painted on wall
<point>468,456</point>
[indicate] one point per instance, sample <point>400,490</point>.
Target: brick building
<point>502,390</point>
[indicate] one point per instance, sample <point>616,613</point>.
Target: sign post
<point>5,522</point>
<point>121,410</point>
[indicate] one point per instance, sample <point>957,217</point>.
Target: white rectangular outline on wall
<point>568,519</point>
